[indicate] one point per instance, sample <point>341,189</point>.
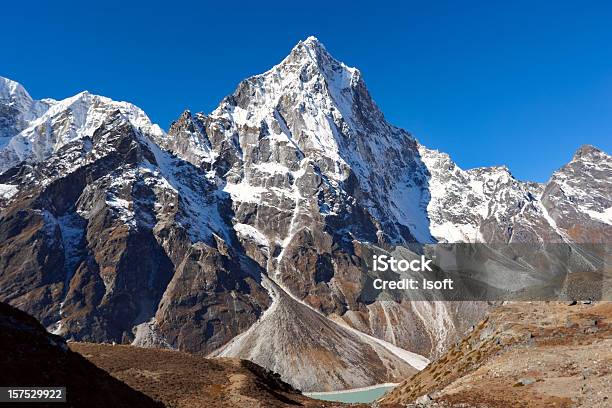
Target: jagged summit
<point>312,51</point>
<point>312,44</point>
<point>308,69</point>
<point>312,40</point>
<point>17,108</point>
<point>312,56</point>
<point>14,96</point>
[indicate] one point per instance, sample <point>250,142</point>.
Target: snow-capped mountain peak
<point>40,128</point>
<point>578,196</point>
<point>311,52</point>
<point>312,109</point>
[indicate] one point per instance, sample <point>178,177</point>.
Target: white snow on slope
<point>462,200</point>
<point>604,216</point>
<point>251,233</point>
<point>14,95</point>
<point>8,190</point>
<point>244,192</point>
<point>319,106</point>
<point>197,196</point>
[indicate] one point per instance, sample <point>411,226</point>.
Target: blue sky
<point>521,84</point>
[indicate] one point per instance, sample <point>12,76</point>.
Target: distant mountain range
<point>247,232</point>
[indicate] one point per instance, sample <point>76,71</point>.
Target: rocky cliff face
<point>249,230</point>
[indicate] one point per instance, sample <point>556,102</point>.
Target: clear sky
<point>522,84</point>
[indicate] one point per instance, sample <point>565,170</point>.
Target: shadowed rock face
<point>31,356</point>
<point>114,231</point>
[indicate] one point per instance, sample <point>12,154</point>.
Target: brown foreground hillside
<point>119,376</point>
<point>182,380</point>
<point>29,356</point>
<point>536,354</point>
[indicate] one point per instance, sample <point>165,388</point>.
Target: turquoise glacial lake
<point>367,395</point>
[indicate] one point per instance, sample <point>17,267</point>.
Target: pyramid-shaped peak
<point>313,42</point>
<point>311,50</point>
<point>313,55</point>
